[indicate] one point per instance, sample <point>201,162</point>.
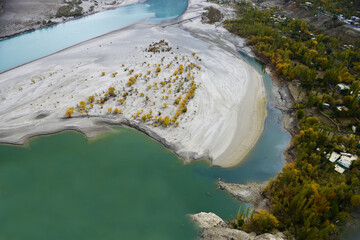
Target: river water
<point>122,185</point>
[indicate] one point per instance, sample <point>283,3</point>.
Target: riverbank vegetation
<point>71,9</point>
<point>325,69</point>
<point>310,199</point>
<point>346,7</point>
<point>258,222</point>
<point>211,15</point>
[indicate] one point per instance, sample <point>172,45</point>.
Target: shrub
<point>239,220</point>
<point>117,111</point>
<point>300,113</point>
<point>261,222</point>
<point>355,200</point>
<point>112,92</point>
<point>73,9</point>
<point>82,104</point>
<point>69,112</point>
<point>91,99</point>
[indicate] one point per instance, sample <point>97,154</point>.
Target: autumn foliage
<point>169,88</point>
<point>261,222</point>
<point>69,112</point>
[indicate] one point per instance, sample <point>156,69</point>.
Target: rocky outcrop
<point>207,220</point>
<point>212,227</point>
<point>248,193</point>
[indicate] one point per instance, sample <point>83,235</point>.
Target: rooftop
<point>339,169</point>
<point>334,156</point>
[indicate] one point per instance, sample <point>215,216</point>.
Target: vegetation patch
<point>157,47</point>
<point>259,222</point>
<point>346,7</point>
<point>72,9</point>
<point>309,198</point>
<point>162,90</point>
<point>211,15</point>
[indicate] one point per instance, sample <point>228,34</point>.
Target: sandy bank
<point>223,120</point>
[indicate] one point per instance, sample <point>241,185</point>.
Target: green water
<point>121,186</point>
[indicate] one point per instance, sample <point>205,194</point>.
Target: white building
<point>334,156</point>
<point>346,160</point>
<point>343,160</point>
<point>339,169</point>
<point>342,108</point>
<point>342,86</point>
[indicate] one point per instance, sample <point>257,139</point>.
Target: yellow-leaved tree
<point>69,112</point>
<point>261,222</point>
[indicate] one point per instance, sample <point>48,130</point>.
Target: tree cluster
<point>308,197</point>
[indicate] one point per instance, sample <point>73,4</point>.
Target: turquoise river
<point>121,185</point>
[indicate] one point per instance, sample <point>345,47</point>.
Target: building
<point>342,87</point>
<point>334,156</point>
<point>342,108</point>
<point>339,169</point>
<point>343,160</point>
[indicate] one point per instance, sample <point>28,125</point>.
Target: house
<point>342,87</point>
<point>344,163</point>
<point>345,154</point>
<point>339,169</point>
<point>334,156</point>
<point>343,160</point>
<point>342,108</point>
<point>353,128</point>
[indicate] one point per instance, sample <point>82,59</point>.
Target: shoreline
<point>145,22</point>
<point>247,193</point>
<point>75,45</point>
<point>289,119</point>
<point>107,128</point>
<point>284,101</point>
<point>67,19</point>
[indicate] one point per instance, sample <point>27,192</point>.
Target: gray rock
<point>248,193</point>
<point>212,227</point>
<point>207,220</point>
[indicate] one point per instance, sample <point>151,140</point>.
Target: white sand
<point>224,119</point>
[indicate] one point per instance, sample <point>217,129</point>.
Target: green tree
<point>261,222</point>
<point>300,113</point>
<point>355,200</point>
